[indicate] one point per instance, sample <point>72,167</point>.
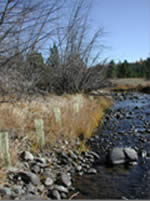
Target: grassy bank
<point>67,119</point>
<point>126,84</point>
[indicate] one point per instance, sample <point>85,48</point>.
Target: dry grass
<point>129,83</point>
<point>18,119</point>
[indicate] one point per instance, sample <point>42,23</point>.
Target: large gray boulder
<point>120,155</point>
<point>130,154</point>
<point>117,156</point>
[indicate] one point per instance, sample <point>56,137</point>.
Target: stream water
<point>126,124</point>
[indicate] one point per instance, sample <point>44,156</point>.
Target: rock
<point>95,155</point>
<point>48,173</point>
<point>136,107</point>
<point>80,173</point>
<point>26,155</point>
<point>64,155</point>
<point>28,177</point>
<point>48,181</point>
<point>61,188</point>
<point>143,153</point>
<point>56,194</point>
<point>13,170</point>
<point>131,154</point>
<point>17,189</point>
<point>92,171</point>
<point>40,160</point>
<point>31,197</point>
<point>80,157</point>
<point>42,165</point>
<point>65,179</point>
<point>122,155</point>
<point>30,188</point>
<point>79,168</point>
<point>73,155</point>
<point>117,156</point>
<point>133,163</point>
<point>124,198</point>
<point>5,191</point>
<point>63,195</point>
<point>41,188</point>
<point>148,130</point>
<point>36,169</point>
<point>25,165</point>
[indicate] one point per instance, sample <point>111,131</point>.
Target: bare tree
<point>26,24</point>
<point>74,37</point>
<point>25,27</point>
<point>76,49</point>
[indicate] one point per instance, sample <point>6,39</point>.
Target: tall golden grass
<point>18,118</point>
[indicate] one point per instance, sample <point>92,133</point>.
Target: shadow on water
<point>127,124</point>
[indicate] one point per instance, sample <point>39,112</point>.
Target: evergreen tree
<point>111,72</point>
<point>53,58</point>
<point>147,67</point>
<point>35,59</point>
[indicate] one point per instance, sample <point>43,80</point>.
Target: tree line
<point>127,69</point>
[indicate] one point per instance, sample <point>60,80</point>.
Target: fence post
<point>39,125</point>
<point>4,148</point>
<point>57,113</point>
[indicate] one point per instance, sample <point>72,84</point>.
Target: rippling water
<point>121,182</point>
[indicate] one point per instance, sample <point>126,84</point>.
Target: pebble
<point>66,180</point>
<point>73,155</point>
<point>48,181</point>
<point>40,160</point>
<point>95,154</point>
<point>61,188</point>
<point>4,191</point>
<point>35,169</point>
<point>31,197</point>
<point>28,177</point>
<point>17,189</point>
<point>79,168</point>
<point>56,194</point>
<point>92,171</point>
<point>26,155</point>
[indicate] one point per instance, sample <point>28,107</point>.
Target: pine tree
<point>53,58</point>
<point>35,59</point>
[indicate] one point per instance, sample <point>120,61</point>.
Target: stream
<point>126,124</point>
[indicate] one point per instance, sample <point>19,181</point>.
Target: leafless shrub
<point>72,74</point>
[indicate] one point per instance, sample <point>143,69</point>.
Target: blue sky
<point>127,23</point>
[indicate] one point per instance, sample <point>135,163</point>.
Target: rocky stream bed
<point>116,167</point>
<point>123,145</point>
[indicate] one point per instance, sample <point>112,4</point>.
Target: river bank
<point>130,84</point>
<point>47,172</point>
